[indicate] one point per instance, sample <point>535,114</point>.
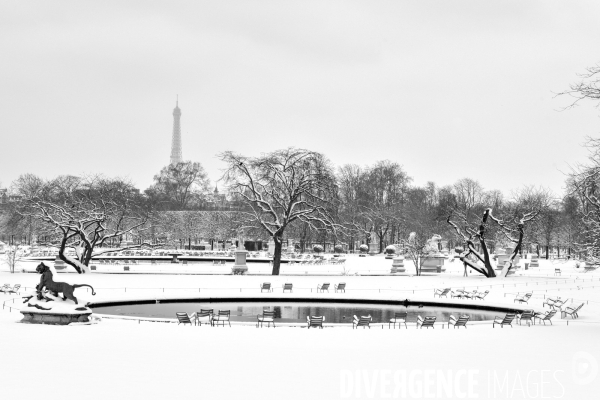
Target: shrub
<point>338,248</point>
<point>390,249</point>
<point>363,248</point>
<point>317,248</point>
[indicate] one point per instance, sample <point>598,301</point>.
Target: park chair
<point>203,317</point>
<point>426,322</point>
<point>287,286</point>
<point>266,286</point>
<point>461,321</point>
<point>589,268</point>
<point>460,293</point>
<point>323,287</point>
<point>545,316</point>
<point>572,311</point>
<point>550,302</point>
<point>527,316</point>
<point>507,320</point>
<point>471,295</point>
<point>183,318</point>
<point>523,298</point>
<point>340,287</point>
<point>481,295</point>
<point>558,304</point>
<point>314,321</point>
<point>441,292</point>
<point>268,317</point>
<point>399,318</point>
<point>14,290</point>
<point>362,321</point>
<point>5,287</point>
<point>222,317</point>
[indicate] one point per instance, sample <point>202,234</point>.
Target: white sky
<point>449,89</point>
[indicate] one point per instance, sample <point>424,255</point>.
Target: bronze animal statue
<point>56,287</point>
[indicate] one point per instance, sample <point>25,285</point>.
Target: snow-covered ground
<point>127,359</point>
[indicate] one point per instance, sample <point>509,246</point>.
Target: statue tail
<point>77,286</point>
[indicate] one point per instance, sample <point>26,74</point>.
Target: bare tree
<point>282,187</point>
<point>588,87</point>
<point>470,234</point>
<point>85,214</point>
<point>12,256</point>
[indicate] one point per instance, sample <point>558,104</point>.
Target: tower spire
<point>176,156</point>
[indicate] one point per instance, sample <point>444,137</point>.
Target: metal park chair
<point>340,287</point>
<point>287,286</point>
<point>481,295</point>
<point>183,318</point>
<point>266,286</point>
<point>365,322</point>
<point>527,316</point>
<point>507,320</point>
<point>461,321</point>
<point>572,311</point>
<point>399,318</point>
<point>222,317</point>
<point>426,322</point>
<point>268,317</point>
<point>441,292</point>
<point>314,321</point>
<point>204,317</point>
<point>523,298</point>
<point>547,316</point>
<point>323,287</point>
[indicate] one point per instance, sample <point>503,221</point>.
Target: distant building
<point>176,156</point>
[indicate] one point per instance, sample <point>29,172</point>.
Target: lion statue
<point>47,282</point>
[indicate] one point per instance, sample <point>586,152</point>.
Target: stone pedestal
<point>59,264</point>
<point>373,248</point>
<point>535,261</point>
<point>174,260</point>
<point>271,246</point>
<point>240,266</point>
<point>50,318</point>
<point>433,264</point>
<point>503,258</point>
<point>398,265</point>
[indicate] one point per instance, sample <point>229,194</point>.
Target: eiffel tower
<point>176,156</point>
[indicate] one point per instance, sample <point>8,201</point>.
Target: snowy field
<point>124,359</point>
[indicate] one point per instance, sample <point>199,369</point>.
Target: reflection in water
<point>296,312</point>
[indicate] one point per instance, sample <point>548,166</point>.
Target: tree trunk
<point>277,255</point>
<point>547,255</point>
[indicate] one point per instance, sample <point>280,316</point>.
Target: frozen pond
<point>295,312</point>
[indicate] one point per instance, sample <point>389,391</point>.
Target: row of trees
<point>298,193</point>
